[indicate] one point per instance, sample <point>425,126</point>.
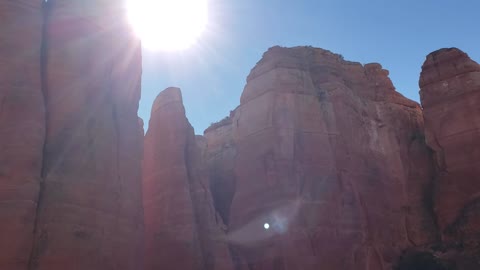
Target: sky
<point>397,34</point>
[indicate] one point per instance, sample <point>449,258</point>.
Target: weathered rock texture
<point>181,228</point>
<point>450,95</point>
<point>22,128</point>
<point>323,164</point>
<point>327,155</point>
<point>90,210</point>
<point>70,164</point>
<point>330,156</point>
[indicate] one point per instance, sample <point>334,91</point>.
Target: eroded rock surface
<point>182,231</point>
<point>330,157</point>
<point>450,94</point>
<point>22,128</point>
<point>90,209</point>
<point>323,164</point>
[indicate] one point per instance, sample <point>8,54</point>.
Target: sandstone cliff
<point>70,186</point>
<point>330,156</point>
<point>450,94</point>
<point>22,128</point>
<point>181,229</point>
<point>322,165</point>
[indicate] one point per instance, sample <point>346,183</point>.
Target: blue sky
<point>397,34</point>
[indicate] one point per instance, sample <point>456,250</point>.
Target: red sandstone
<point>345,171</point>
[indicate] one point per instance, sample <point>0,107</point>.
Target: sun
<point>168,25</point>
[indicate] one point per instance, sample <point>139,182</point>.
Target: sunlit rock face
<point>22,128</point>
<point>450,95</point>
<point>322,166</point>
<point>90,208</point>
<point>182,231</point>
<point>330,156</point>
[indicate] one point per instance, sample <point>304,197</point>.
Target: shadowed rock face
<point>171,237</point>
<point>323,164</point>
<point>90,209</point>
<point>330,156</point>
<point>181,228</point>
<point>450,93</point>
<point>22,128</point>
<point>70,163</point>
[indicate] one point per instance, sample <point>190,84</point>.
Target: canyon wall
<point>22,128</point>
<point>90,208</point>
<point>70,191</point>
<point>323,164</point>
<point>330,157</point>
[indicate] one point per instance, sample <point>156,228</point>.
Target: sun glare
<point>168,25</point>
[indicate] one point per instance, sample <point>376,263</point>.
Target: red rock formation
<point>330,156</point>
<point>90,210</point>
<point>220,161</point>
<point>450,94</point>
<point>22,128</point>
<point>323,164</point>
<point>180,227</point>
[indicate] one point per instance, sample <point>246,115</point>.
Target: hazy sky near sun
<point>397,34</point>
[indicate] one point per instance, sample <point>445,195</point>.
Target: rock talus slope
<point>450,95</point>
<point>22,128</point>
<point>90,208</point>
<point>180,226</point>
<point>330,156</point>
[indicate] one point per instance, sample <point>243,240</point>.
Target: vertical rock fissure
<point>429,197</point>
<point>2,105</point>
<point>191,186</point>
<point>119,192</point>
<point>116,125</point>
<point>46,8</point>
<point>428,191</point>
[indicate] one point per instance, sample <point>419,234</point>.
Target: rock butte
<point>322,165</point>
<point>450,94</point>
<point>331,156</point>
<point>181,228</point>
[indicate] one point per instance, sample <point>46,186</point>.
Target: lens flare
<point>168,25</point>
